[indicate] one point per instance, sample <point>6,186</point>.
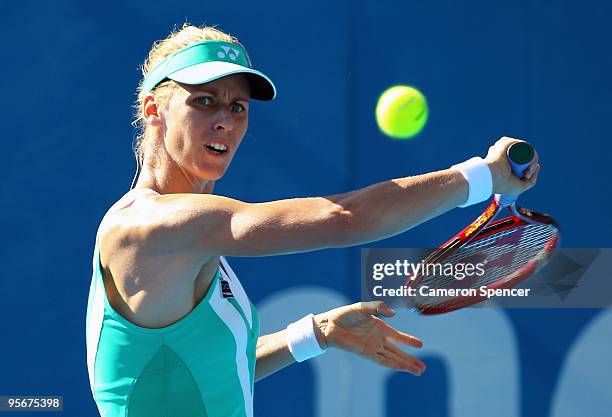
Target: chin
<point>209,171</point>
<point>212,175</point>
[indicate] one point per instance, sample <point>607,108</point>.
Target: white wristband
<point>479,178</point>
<point>301,339</point>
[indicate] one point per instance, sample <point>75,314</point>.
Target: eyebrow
<point>215,92</point>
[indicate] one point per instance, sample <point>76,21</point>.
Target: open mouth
<point>216,148</point>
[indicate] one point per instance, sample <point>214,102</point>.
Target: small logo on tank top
<point>226,291</point>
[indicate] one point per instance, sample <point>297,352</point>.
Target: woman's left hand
<point>355,328</point>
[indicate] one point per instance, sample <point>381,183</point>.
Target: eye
<point>238,108</point>
<point>203,100</point>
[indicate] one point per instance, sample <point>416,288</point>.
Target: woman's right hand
<point>504,181</point>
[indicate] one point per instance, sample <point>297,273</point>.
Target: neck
<point>166,182</point>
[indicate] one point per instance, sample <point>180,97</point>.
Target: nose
<point>223,121</point>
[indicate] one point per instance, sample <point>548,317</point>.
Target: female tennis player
<point>170,330</point>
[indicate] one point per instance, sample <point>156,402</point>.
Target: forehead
<point>235,85</point>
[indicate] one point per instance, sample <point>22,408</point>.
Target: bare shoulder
<point>149,223</point>
<point>117,231</point>
<point>130,245</point>
<point>176,223</point>
<point>148,283</point>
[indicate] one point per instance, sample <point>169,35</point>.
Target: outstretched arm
<point>208,225</point>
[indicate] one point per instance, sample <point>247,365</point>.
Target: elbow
<point>346,226</point>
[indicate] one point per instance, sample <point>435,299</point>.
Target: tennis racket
<point>511,248</point>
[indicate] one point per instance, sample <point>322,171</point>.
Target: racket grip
<point>520,155</point>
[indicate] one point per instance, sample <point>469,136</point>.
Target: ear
<point>150,110</point>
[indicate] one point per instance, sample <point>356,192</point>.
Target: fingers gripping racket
<point>511,249</point>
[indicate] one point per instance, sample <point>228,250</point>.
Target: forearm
<point>391,207</point>
<point>273,354</point>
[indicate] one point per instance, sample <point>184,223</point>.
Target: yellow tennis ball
<point>401,112</point>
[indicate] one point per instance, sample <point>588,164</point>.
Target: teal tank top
<point>203,365</point>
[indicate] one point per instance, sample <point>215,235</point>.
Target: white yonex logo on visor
<point>228,52</point>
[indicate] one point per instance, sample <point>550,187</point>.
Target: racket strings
<point>502,255</point>
<point>475,247</point>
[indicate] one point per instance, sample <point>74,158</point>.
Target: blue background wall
<point>538,70</point>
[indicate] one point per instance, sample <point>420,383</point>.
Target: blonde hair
<point>178,39</point>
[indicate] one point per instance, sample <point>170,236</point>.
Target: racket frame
<point>483,226</point>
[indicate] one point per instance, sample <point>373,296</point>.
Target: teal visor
<point>207,61</point>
